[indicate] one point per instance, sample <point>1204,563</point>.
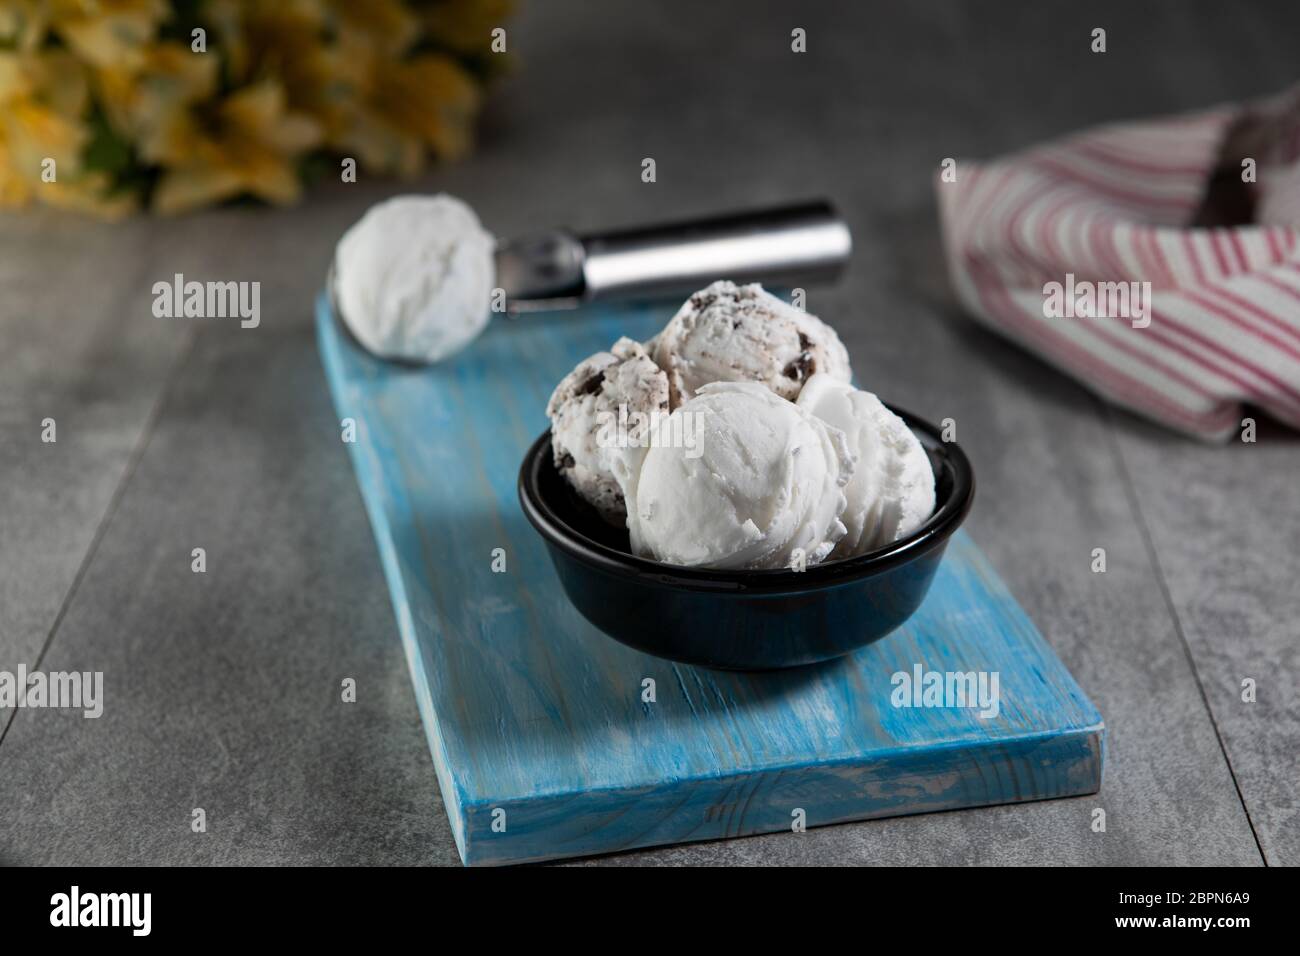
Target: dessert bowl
<point>742,620</point>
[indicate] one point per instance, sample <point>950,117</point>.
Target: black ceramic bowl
<point>742,620</point>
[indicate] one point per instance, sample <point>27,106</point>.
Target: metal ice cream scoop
<point>559,269</point>
<point>785,245</point>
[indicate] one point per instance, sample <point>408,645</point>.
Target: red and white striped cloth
<point>1115,204</point>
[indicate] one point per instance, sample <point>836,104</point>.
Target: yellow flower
<point>36,134</point>
<point>113,94</point>
<point>248,143</point>
<point>386,26</point>
<point>24,24</point>
<point>108,33</point>
<point>404,108</point>
<point>89,194</point>
<point>169,78</point>
<point>258,38</point>
<point>286,41</point>
<point>42,99</point>
<point>466,25</point>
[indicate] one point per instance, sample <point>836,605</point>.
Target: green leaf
<point>108,151</point>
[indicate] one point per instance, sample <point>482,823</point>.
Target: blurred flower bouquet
<point>109,106</point>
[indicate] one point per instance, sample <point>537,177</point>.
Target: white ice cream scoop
<point>740,478</point>
<point>891,492</point>
<point>414,278</point>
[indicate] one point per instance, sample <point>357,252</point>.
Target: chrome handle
<point>791,244</point>
<point>787,245</point>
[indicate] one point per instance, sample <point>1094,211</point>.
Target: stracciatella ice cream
<point>755,482</point>
<point>600,414</point>
<point>891,492</point>
<point>730,333</point>
<point>413,277</point>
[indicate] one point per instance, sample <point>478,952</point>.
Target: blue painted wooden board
<point>537,720</point>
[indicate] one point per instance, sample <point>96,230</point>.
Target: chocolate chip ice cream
<point>600,413</point>
<point>730,333</point>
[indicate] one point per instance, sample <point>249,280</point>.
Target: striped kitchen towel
<point>1141,259</point>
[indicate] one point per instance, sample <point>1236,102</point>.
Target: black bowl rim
<point>933,533</point>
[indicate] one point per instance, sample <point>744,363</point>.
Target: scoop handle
<point>785,245</point>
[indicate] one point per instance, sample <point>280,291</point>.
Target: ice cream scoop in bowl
<point>742,619</point>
